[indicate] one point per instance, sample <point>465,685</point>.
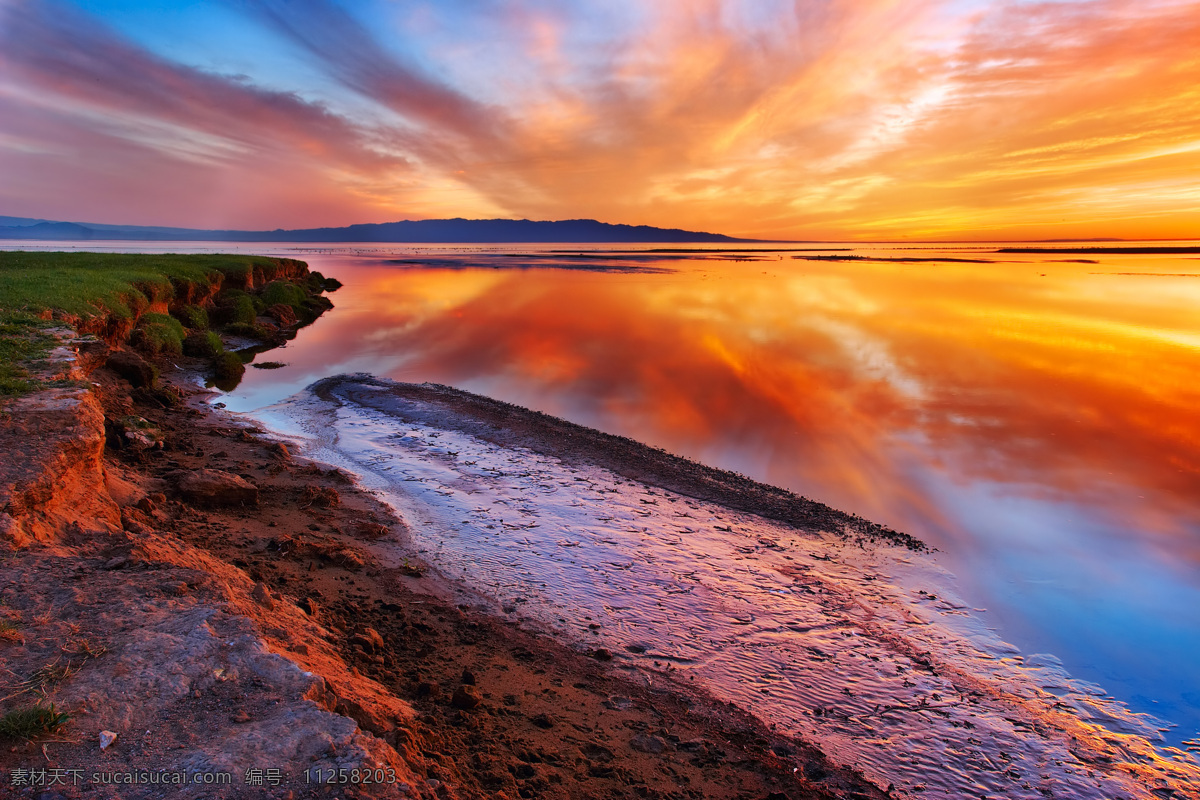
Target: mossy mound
<point>235,307</point>
<point>277,292</point>
<point>203,344</point>
<point>158,334</point>
<point>193,317</point>
<point>227,367</point>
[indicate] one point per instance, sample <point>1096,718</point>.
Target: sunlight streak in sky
<point>806,119</point>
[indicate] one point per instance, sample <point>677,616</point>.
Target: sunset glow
<point>866,119</point>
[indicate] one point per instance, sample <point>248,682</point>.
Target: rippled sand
<point>845,639</point>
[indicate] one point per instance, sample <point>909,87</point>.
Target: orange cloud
<point>852,118</point>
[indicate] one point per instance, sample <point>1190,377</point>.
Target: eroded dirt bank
<point>253,625</point>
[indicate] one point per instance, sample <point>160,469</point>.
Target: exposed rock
<point>130,521</point>
<point>645,743</point>
<point>54,474</point>
<point>177,588</point>
<point>262,595</point>
<point>132,367</point>
<point>597,752</point>
<point>369,640</point>
<point>310,607</point>
<point>215,488</point>
<point>466,698</point>
<point>283,314</point>
<point>106,739</point>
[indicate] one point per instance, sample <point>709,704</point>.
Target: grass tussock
<point>228,367</point>
<point>117,285</point>
<point>159,333</point>
<point>235,307</point>
<point>193,317</point>
<point>36,288</point>
<point>32,722</point>
<point>283,292</point>
<point>203,344</point>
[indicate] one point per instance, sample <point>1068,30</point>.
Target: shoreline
<point>336,657</point>
<point>458,449</point>
<point>297,617</point>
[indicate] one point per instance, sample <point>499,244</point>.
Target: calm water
<point>1034,418</point>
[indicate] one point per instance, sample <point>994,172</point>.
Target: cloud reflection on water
<point>1034,420</point>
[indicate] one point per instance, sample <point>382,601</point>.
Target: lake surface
<point>1034,417</point>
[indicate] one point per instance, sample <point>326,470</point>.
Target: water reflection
<point>1035,419</point>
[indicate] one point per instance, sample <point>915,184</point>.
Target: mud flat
<point>828,629</point>
<point>224,619</point>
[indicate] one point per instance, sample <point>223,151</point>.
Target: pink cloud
<point>873,118</point>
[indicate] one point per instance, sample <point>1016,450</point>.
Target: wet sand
<point>501,711</point>
<point>827,628</point>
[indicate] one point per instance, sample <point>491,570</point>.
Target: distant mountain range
<point>428,231</point>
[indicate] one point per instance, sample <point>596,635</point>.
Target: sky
<point>810,119</point>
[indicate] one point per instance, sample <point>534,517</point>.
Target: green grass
<point>254,331</point>
<point>122,284</point>
<point>283,292</point>
<point>235,307</point>
<point>193,317</point>
<point>203,344</point>
<point>33,721</point>
<point>228,366</point>
<point>23,342</point>
<point>159,333</point>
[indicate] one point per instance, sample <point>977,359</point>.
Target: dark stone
<point>466,698</point>
<point>369,640</point>
<point>283,314</point>
<point>309,606</point>
<point>132,367</point>
<point>215,488</point>
<point>645,743</point>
